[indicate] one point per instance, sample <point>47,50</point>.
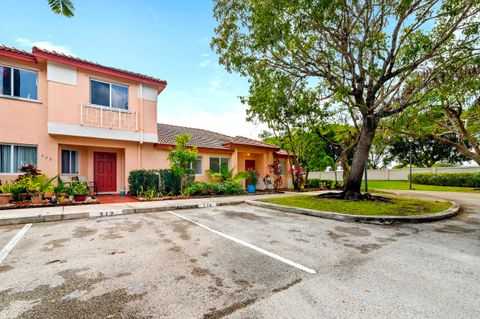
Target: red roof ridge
<point>16,53</point>
<point>70,59</point>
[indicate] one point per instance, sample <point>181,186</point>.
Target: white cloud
<point>204,63</point>
<point>204,40</point>
<point>47,45</point>
<point>232,123</point>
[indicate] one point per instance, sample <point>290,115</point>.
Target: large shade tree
<point>374,56</point>
<point>451,112</point>
<point>426,152</point>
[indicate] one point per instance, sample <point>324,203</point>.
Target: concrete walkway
<point>56,213</point>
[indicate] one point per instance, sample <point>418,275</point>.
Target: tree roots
<point>354,196</point>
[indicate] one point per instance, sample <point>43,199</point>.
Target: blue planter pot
<point>251,188</point>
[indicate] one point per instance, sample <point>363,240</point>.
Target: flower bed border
<point>17,206</point>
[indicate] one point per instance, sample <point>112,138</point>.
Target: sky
<point>166,39</point>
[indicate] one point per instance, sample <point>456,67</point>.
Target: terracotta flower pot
<point>36,199</point>
<point>5,198</point>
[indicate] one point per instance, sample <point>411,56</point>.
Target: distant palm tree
<point>62,7</point>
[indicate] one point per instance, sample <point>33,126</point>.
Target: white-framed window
<point>197,166</point>
<point>18,83</point>
<point>14,156</point>
<point>108,94</point>
<point>217,162</point>
<point>69,161</point>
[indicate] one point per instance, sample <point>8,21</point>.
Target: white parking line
<point>244,243</point>
<point>6,250</point>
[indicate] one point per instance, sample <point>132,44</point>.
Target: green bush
<point>163,181</point>
<point>447,179</point>
<point>214,188</point>
<point>316,183</point>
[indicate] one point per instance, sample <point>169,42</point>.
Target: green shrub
<point>163,181</point>
<point>214,188</point>
<point>316,183</point>
<point>447,179</point>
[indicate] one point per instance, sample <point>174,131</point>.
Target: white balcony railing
<point>108,117</point>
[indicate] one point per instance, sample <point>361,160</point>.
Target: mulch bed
<point>258,192</point>
<point>21,205</point>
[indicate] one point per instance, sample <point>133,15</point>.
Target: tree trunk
<point>344,164</point>
<point>354,181</point>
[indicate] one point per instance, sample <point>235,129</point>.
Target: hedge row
<point>214,188</point>
<point>447,179</point>
<point>163,181</point>
<point>316,183</point>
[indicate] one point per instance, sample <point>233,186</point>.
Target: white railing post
<point>136,121</point>
<point>81,113</point>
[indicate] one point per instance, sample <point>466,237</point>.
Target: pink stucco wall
<point>26,122</point>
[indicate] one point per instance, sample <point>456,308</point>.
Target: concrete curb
<point>106,212</point>
<point>95,211</point>
<point>452,211</point>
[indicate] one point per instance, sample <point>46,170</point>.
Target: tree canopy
<point>373,59</point>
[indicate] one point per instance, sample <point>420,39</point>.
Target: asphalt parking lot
<point>241,262</point>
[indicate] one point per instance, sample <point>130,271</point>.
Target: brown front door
<point>105,171</point>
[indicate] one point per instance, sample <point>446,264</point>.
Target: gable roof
<point>206,139</point>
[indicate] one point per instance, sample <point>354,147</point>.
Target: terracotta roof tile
<point>240,140</point>
<point>72,58</point>
<point>205,138</point>
<point>283,152</point>
<point>14,50</point>
<point>200,137</point>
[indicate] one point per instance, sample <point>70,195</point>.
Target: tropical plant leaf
<point>62,7</point>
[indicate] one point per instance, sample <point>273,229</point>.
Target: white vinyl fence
<point>396,174</point>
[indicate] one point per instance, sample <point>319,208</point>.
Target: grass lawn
<point>405,185</point>
<point>396,207</point>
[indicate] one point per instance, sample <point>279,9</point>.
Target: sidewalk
<point>56,213</point>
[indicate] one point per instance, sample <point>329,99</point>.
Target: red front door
<point>105,171</point>
<point>249,164</point>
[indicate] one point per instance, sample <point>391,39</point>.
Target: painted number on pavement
<point>106,213</point>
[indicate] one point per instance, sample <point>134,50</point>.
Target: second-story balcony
<point>108,117</point>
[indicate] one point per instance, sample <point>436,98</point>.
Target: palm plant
<point>227,175</point>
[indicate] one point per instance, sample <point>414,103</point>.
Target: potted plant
<point>5,193</point>
<point>33,189</point>
<point>79,191</point>
<point>38,186</point>
<point>252,180</point>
